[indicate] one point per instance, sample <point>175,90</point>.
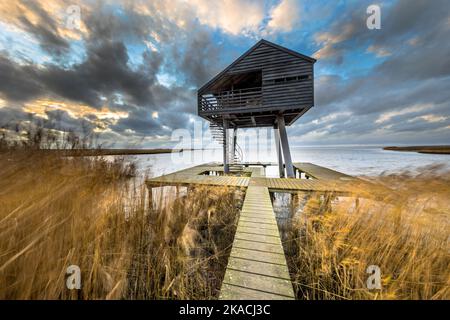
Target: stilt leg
<point>279,155</point>
<point>226,165</point>
<point>233,150</point>
<point>285,147</point>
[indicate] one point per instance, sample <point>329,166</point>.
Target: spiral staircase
<point>234,154</point>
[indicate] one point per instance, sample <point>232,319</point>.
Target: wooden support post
<point>285,147</point>
<point>279,155</point>
<point>226,164</point>
<point>234,141</point>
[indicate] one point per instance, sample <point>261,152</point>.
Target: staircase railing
<point>234,155</point>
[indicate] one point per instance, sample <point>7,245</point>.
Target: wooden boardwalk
<point>194,176</point>
<point>318,172</point>
<point>257,267</point>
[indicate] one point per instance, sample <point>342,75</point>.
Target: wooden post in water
<point>285,147</point>
<point>279,155</point>
<point>226,165</point>
<point>233,150</point>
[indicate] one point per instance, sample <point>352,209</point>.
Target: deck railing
<point>239,98</point>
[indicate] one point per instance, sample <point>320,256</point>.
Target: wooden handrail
<point>246,97</point>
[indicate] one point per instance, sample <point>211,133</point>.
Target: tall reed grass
<point>57,211</point>
<point>405,231</point>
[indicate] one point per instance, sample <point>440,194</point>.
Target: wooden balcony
<point>230,101</point>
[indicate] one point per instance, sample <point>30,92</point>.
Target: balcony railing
<point>240,98</point>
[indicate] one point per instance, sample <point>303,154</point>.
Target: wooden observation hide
<point>268,86</point>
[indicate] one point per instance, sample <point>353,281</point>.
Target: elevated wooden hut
<point>268,86</point>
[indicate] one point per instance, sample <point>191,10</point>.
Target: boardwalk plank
<point>257,237</point>
<point>262,256</point>
<point>252,245</point>
<point>232,292</point>
<point>259,282</point>
<point>267,269</point>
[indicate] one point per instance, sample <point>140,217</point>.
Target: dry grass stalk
<point>406,233</point>
<point>57,211</point>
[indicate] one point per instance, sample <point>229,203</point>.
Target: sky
<point>128,71</point>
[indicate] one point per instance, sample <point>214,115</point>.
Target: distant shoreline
<point>112,152</point>
<point>422,149</point>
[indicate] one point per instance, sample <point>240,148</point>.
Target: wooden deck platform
<point>194,176</point>
<point>318,172</point>
<point>257,266</point>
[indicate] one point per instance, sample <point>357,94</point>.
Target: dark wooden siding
<point>277,65</point>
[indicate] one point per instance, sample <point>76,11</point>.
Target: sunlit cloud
<point>76,111</point>
<point>132,68</point>
<point>379,51</point>
<point>331,117</point>
<point>430,118</point>
<point>394,113</point>
<point>232,16</point>
<point>285,16</point>
<point>328,40</point>
<point>52,17</point>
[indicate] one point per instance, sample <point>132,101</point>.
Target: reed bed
<point>405,231</point>
<point>57,211</point>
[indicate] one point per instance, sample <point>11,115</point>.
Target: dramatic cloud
<point>233,16</point>
<point>129,71</point>
<point>285,16</point>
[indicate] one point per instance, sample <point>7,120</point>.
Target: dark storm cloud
<point>334,89</point>
<point>61,120</point>
<point>18,82</point>
<point>44,29</point>
<point>405,20</point>
<point>412,17</point>
<point>415,71</point>
<point>105,71</point>
<point>418,34</point>
<point>198,59</point>
<point>9,116</point>
<point>414,74</point>
<point>12,118</point>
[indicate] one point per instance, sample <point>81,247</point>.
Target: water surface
<point>353,160</point>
